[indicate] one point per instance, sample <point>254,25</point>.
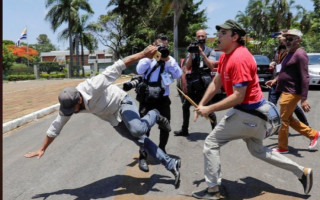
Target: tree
<point>110,32</point>
<point>8,58</point>
<point>83,36</point>
<point>66,11</point>
<point>142,26</point>
<point>259,10</point>
<point>8,42</point>
<point>43,44</point>
<point>177,6</point>
<point>23,51</point>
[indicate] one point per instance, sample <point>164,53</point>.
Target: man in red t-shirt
<point>248,116</point>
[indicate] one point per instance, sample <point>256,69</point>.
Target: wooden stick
<point>192,102</point>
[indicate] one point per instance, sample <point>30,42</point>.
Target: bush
<point>49,67</point>
<point>49,76</point>
<point>21,77</point>
<point>20,71</point>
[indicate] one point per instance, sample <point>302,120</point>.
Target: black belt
<point>253,112</point>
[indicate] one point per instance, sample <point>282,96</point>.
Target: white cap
<point>295,32</point>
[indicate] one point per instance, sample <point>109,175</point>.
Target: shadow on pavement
<point>112,186</point>
<point>196,136</point>
<point>249,187</point>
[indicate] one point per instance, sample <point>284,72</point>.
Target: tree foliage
<point>43,44</point>
<point>66,11</point>
<point>8,58</point>
<point>48,67</point>
<point>140,21</point>
<point>264,17</point>
<point>23,52</point>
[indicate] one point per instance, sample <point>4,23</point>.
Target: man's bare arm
<point>148,52</point>
<point>47,141</point>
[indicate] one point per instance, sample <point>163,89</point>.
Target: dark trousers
<point>186,110</point>
<point>274,97</point>
<point>163,106</point>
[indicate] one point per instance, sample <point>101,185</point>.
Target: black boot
<point>143,165</point>
<point>163,122</point>
<point>182,132</point>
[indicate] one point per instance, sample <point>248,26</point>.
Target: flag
<point>22,37</point>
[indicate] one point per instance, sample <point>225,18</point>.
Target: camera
<point>135,80</point>
<point>163,50</point>
<point>193,47</point>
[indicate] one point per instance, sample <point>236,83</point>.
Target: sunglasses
<point>290,39</point>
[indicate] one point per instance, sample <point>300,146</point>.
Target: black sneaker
<point>143,165</point>
<point>306,180</point>
<point>163,123</point>
<point>205,194</point>
<point>181,132</point>
<point>176,173</point>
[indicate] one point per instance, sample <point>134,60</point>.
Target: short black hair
<point>162,36</point>
<point>240,39</point>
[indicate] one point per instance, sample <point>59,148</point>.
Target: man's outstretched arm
<point>47,141</point>
<point>148,52</point>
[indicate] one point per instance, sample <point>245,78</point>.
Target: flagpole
<point>27,46</point>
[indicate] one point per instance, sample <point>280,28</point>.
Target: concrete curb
<point>8,126</point>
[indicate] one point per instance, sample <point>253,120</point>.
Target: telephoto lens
<point>135,80</point>
<point>127,86</point>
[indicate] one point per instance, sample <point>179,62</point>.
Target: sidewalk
<point>22,99</point>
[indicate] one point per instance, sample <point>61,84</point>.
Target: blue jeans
<point>135,128</point>
<point>274,97</point>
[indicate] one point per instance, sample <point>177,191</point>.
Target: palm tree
<point>278,14</point>
<point>86,38</point>
<point>83,36</point>
<point>244,19</point>
<point>259,11</point>
<point>66,11</point>
<point>177,6</point>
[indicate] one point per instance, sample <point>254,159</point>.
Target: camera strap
<point>161,64</point>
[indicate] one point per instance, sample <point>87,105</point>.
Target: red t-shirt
<point>237,67</point>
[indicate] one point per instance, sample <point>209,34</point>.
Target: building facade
<point>98,60</point>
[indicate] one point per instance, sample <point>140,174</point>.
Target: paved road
<point>89,160</point>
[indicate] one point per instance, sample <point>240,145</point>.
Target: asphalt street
<point>90,160</point>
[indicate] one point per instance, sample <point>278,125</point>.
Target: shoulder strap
<point>161,64</point>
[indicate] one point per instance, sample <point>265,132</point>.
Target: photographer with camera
<point>200,60</point>
<point>153,93</point>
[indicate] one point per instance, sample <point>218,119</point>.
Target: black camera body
<point>135,80</point>
<point>193,47</point>
<point>163,50</point>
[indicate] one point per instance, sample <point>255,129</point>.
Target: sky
<point>18,14</point>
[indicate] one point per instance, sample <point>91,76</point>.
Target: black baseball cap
<point>68,99</point>
<point>232,25</point>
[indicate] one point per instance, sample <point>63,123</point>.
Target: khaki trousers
<point>251,129</point>
<point>288,103</point>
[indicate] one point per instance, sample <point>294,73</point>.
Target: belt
<point>253,112</point>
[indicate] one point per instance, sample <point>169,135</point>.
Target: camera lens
<point>127,86</point>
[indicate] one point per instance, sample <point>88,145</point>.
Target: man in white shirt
<point>159,75</point>
<point>98,96</point>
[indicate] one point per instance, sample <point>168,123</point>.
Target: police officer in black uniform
<point>201,60</point>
